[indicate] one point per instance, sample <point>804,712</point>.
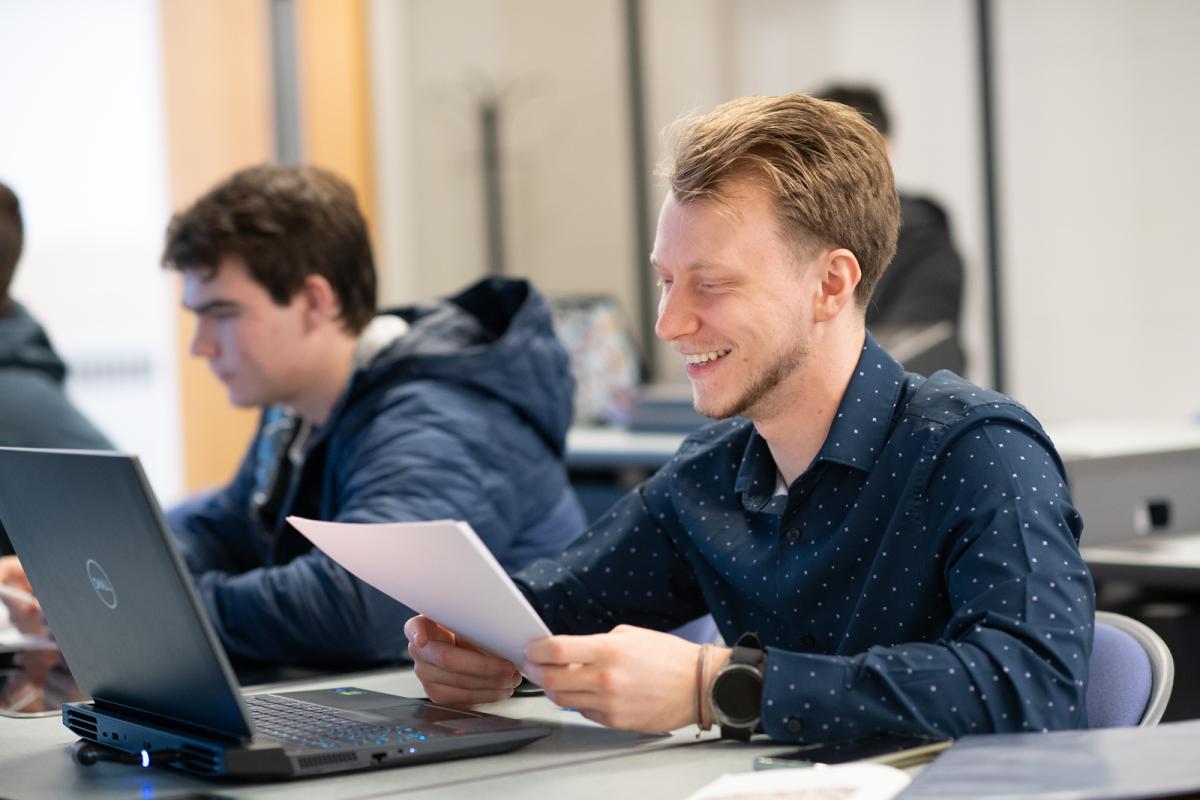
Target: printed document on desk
<point>856,781</point>
<point>440,569</point>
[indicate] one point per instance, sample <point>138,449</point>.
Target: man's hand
<point>453,671</point>
<point>26,617</point>
<point>630,678</point>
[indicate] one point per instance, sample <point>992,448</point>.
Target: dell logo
<point>101,583</point>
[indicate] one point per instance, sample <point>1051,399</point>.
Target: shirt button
<point>808,641</point>
<point>793,725</point>
<point>792,535</point>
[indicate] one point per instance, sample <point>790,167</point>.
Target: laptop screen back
<point>114,590</point>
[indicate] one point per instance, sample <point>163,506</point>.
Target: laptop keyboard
<point>307,725</point>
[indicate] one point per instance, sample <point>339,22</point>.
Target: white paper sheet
<point>858,781</point>
<point>440,569</point>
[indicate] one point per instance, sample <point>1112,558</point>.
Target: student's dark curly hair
<point>286,223</point>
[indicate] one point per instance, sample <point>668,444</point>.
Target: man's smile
<point>710,355</point>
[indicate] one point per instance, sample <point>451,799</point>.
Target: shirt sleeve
<point>629,567</point>
<point>1013,655</point>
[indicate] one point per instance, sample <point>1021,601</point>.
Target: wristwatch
<point>737,691</point>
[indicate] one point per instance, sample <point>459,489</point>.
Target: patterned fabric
<point>921,576</point>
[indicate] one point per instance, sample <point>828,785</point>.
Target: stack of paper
<point>440,569</point>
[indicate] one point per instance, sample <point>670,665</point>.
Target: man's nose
<point>676,316</point>
<point>203,345</point>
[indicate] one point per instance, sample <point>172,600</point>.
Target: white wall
<point>922,54</point>
<point>1099,116</point>
<point>559,70</point>
<point>82,143</point>
<point>1097,112</point>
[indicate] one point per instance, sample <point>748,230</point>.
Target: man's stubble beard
<point>760,398</point>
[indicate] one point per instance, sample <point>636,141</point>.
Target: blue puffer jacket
<point>463,417</point>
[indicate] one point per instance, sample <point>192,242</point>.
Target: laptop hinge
<point>157,720</point>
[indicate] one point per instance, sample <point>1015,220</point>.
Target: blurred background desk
<point>1127,479</point>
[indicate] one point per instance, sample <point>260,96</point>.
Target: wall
<point>1098,111</point>
<point>557,66</point>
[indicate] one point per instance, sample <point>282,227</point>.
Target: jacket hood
<point>496,337</point>
<point>23,343</point>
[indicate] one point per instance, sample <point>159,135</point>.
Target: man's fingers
<point>431,674</point>
<point>455,657</point>
<point>13,574</point>
<point>565,677</point>
<point>456,676</point>
<point>567,649</point>
<point>421,629</point>
<point>456,696</point>
<point>452,671</point>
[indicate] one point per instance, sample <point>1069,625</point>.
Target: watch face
<point>737,694</point>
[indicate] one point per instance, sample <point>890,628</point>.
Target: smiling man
<point>890,552</point>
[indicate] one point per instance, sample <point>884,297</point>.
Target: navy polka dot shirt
<point>921,576</point>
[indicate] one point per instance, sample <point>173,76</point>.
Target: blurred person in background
<point>920,294</point>
<point>34,408</point>
<point>34,412</point>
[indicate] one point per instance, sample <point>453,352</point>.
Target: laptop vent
<point>327,758</point>
<point>198,759</point>
<point>82,724</point>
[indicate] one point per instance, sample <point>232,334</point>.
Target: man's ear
<point>840,274</point>
<point>321,304</point>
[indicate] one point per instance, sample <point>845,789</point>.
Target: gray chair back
<point>1132,673</point>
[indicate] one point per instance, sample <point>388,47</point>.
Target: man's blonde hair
<point>827,167</point>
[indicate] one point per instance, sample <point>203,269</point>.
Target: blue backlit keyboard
<point>307,725</point>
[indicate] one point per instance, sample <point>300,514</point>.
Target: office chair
<point>702,630</point>
<point>1132,673</point>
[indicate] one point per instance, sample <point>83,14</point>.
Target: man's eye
<point>664,282</point>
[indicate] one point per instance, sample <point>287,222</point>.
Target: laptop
<point>127,617</point>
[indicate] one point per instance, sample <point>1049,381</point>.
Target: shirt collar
<point>859,430</point>
<point>864,418</point>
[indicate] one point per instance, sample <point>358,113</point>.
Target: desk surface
<point>1168,562</point>
<point>618,447</point>
<point>579,759</point>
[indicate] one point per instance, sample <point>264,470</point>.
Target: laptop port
<point>378,758</point>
